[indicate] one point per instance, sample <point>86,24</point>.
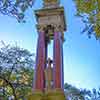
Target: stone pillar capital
<point>59,28</point>
<point>40,28</point>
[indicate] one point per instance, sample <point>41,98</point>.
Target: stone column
<point>58,60</point>
<point>39,80</point>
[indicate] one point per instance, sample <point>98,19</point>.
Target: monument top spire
<point>51,3</point>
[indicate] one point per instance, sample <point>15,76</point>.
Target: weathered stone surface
<point>56,94</point>
<point>54,17</point>
<point>36,95</point>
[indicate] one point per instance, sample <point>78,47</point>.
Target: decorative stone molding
<point>59,28</point>
<point>40,28</point>
<point>49,30</point>
<point>51,3</point>
<point>53,17</point>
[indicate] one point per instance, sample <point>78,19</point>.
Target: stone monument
<point>49,80</point>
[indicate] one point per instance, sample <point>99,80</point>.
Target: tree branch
<point>10,84</point>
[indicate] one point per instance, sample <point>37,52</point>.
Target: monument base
<point>57,94</point>
<point>36,95</point>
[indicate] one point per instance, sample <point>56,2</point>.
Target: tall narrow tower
<point>49,81</point>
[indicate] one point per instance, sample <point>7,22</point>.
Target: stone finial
<point>51,3</point>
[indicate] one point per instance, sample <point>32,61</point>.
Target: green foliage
<point>94,94</point>
<point>15,8</point>
<point>85,6</point>
<point>73,93</point>
<point>89,11</point>
<point>16,74</point>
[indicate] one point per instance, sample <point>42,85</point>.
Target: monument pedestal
<point>36,95</point>
<point>56,94</point>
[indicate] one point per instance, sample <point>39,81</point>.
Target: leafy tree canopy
<point>73,93</point>
<point>89,11</point>
<point>16,72</point>
<point>15,8</point>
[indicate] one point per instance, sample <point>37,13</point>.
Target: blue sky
<point>81,55</point>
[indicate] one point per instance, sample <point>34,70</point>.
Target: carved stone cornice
<point>49,31</point>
